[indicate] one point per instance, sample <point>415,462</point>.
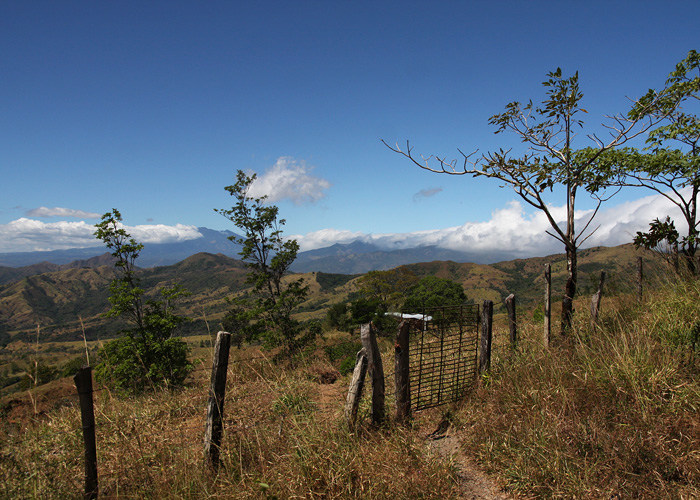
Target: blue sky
<point>151,107</point>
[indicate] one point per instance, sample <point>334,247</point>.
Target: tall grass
<point>607,411</point>
<point>281,441</point>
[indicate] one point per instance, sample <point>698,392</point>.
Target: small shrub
<point>347,366</point>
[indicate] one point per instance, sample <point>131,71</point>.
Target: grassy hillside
<point>56,300</point>
<point>604,413</point>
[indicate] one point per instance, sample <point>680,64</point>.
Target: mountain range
<point>65,300</point>
<point>352,258</point>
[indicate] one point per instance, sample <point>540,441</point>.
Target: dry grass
<point>605,412</point>
<point>282,440</point>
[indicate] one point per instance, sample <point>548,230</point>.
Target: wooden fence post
<point>486,337</point>
<point>640,276</point>
<point>547,304</point>
<point>595,301</point>
<point>83,383</point>
<point>510,307</point>
<point>401,373</point>
<point>215,407</point>
<point>357,383</point>
<point>376,369</point>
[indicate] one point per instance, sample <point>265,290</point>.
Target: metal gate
<point>443,348</point>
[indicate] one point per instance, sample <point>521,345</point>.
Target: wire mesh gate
<point>443,354</point>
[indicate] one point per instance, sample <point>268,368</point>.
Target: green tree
<point>268,255</point>
<point>432,291</point>
<point>389,287</point>
<point>147,354</point>
<point>550,165</point>
<point>670,163</point>
<point>337,316</point>
<point>364,309</point>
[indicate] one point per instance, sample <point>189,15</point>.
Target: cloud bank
<point>61,212</point>
<point>511,229</point>
<point>514,230</point>
<point>289,179</point>
<point>29,235</point>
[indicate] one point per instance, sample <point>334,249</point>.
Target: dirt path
<point>474,483</point>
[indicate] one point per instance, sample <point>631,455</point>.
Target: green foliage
<point>671,165</point>
<point>329,281</point>
<point>40,374</point>
<point>337,316</point>
<point>268,256</point>
<point>147,355</point>
<point>70,368</point>
<point>538,314</point>
<point>133,364</point>
<point>347,365</point>
<point>342,350</point>
<point>363,310</point>
<point>346,352</point>
<point>432,291</point>
<point>387,287</point>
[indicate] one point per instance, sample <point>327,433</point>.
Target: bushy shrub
<point>132,365</point>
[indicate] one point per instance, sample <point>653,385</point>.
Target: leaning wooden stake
<point>595,301</point>
<point>486,337</point>
<point>83,382</point>
<point>547,304</point>
<point>376,369</point>
<point>401,373</point>
<point>215,408</point>
<point>357,383</point>
<point>510,307</point>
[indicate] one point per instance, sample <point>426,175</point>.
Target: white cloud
<point>289,178</point>
<point>61,212</point>
<point>29,235</point>
<point>511,229</point>
<point>160,233</point>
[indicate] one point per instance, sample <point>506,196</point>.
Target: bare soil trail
<point>444,442</point>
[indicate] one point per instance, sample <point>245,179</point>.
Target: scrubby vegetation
<point>604,412</point>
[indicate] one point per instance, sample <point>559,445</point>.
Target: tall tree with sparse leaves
<point>670,163</point>
<point>268,255</point>
<point>550,162</point>
<point>146,355</point>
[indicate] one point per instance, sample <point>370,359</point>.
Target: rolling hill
<point>57,300</point>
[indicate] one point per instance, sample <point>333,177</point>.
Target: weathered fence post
<point>83,383</point>
<point>486,337</point>
<point>595,301</point>
<point>215,407</point>
<point>357,383</point>
<point>640,276</point>
<point>401,373</point>
<point>510,307</point>
<point>376,369</point>
<point>547,304</point>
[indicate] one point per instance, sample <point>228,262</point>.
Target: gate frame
<point>466,360</point>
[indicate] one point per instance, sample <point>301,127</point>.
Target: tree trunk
<point>567,304</point>
<point>547,304</point>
